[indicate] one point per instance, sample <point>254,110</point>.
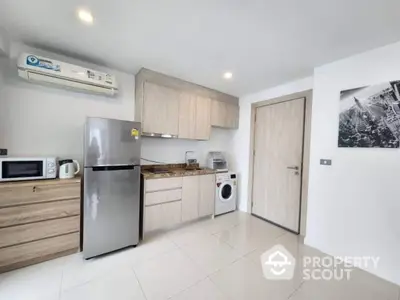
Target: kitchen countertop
<point>173,170</point>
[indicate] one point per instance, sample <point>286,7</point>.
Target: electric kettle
<point>67,168</point>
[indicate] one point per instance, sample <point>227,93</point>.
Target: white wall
<point>242,136</point>
<point>354,206</point>
<point>42,120</point>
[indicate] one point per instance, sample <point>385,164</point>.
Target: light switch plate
<point>325,162</point>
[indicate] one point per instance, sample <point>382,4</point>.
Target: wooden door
<point>206,195</point>
<point>160,109</point>
<point>278,146</point>
<point>203,118</point>
<point>187,116</point>
<point>190,198</point>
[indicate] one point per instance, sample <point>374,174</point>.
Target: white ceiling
<point>263,43</point>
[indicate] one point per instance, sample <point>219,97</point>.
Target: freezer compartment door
<point>111,209</point>
<point>111,142</point>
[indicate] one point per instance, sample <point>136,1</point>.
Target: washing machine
<point>225,192</point>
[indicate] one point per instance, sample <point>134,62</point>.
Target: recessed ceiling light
<point>85,16</point>
<point>228,75</point>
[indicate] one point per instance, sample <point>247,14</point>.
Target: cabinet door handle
<point>34,189</point>
<point>293,167</point>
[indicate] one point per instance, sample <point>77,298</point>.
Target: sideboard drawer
<point>19,234</point>
<point>14,194</point>
<point>30,253</point>
<point>18,215</point>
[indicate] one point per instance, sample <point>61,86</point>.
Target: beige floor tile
<point>151,246</point>
<point>290,241</point>
<point>226,221</point>
<point>236,217</point>
<point>372,285</point>
<point>210,253</point>
<point>187,235</point>
<point>216,225</point>
<point>330,290</point>
<point>37,282</point>
<point>361,285</point>
<point>167,274</point>
<point>120,284</point>
<point>294,244</point>
<point>250,235</point>
<point>78,271</point>
<point>204,290</point>
<point>244,280</point>
<point>176,264</point>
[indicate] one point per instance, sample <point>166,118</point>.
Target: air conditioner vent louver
<point>43,70</point>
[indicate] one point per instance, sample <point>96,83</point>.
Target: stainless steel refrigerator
<point>111,185</point>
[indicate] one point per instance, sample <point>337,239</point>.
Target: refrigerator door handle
<point>113,168</point>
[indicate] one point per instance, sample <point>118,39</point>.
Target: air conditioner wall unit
<point>44,70</point>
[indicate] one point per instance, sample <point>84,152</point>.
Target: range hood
<point>160,135</point>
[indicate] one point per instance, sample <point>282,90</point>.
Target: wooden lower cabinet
<point>198,196</point>
<point>162,215</point>
<point>190,198</point>
<point>39,220</point>
<point>206,195</point>
<point>172,205</point>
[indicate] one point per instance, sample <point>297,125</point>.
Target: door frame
<point>306,154</point>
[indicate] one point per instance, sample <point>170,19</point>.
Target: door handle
<point>293,168</point>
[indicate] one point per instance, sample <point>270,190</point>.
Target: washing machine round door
<point>226,191</point>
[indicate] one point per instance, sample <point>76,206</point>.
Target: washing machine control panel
<point>221,177</point>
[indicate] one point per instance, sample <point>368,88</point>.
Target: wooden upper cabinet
<point>203,118</point>
<point>232,118</point>
<point>224,114</point>
<point>218,113</point>
<point>160,109</point>
<point>187,116</point>
<point>194,117</point>
<point>168,105</point>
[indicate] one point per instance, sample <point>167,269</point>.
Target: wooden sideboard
<point>39,220</point>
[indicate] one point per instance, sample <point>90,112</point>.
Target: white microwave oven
<point>27,168</point>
